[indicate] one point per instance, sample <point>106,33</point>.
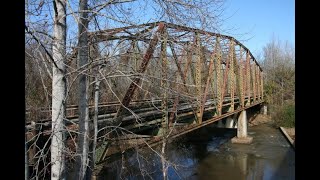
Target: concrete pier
<point>264,109</point>
<point>229,122</point>
<point>242,133</point>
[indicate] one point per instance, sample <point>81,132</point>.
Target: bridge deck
<point>134,127</point>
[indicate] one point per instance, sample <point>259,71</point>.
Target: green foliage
<point>279,81</point>
<point>285,115</point>
<point>279,72</point>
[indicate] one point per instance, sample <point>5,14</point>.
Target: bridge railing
<point>165,61</point>
<point>160,74</point>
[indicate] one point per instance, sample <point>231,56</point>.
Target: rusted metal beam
<point>201,105</point>
<point>192,70</point>
<point>198,78</point>
<point>175,26</point>
<point>153,141</point>
<point>113,31</point>
<point>176,100</point>
<point>225,80</point>
<point>248,77</point>
<point>136,81</point>
<point>184,76</point>
<point>209,79</point>
<point>120,29</point>
<point>238,76</point>
<point>173,112</point>
<point>175,58</point>
<point>148,29</point>
<point>164,83</point>
<point>253,70</point>
<point>231,75</point>
<point>189,61</point>
<point>259,87</point>
<point>219,77</point>
<point>136,60</point>
<point>242,78</point>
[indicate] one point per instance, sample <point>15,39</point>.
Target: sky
<point>252,22</point>
<point>255,22</point>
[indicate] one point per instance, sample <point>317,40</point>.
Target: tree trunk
<point>163,160</point>
<point>58,92</point>
<point>95,126</point>
<point>83,140</point>
<point>26,159</point>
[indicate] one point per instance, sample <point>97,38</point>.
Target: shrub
<point>285,115</point>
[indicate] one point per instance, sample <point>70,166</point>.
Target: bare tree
<point>279,64</point>
<point>83,137</point>
<point>279,71</point>
<point>70,72</point>
<point>58,91</point>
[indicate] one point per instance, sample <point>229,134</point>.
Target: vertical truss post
<point>198,78</point>
<point>189,62</point>
<point>259,87</point>
<point>183,77</point>
<point>238,76</point>
<point>231,75</point>
<point>209,79</point>
<point>135,55</point>
<point>164,82</point>
<point>248,77</point>
<point>244,76</point>
<point>136,59</point>
<point>241,80</point>
<point>192,70</point>
<point>225,80</point>
<point>133,86</point>
<point>175,58</point>
<point>136,81</point>
<point>176,100</point>
<point>219,78</point>
<point>254,81</point>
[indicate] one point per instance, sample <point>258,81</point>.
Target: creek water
<point>208,153</point>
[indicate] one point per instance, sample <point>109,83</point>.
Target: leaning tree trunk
<point>58,91</point>
<point>83,140</point>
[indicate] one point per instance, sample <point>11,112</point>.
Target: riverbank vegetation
<point>279,77</point>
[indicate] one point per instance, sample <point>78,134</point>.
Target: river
<point>208,153</point>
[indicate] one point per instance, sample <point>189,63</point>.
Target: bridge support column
<point>229,122</point>
<point>220,124</point>
<point>242,137</point>
<point>264,109</point>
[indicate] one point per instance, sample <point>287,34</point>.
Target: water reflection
<point>208,154</point>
